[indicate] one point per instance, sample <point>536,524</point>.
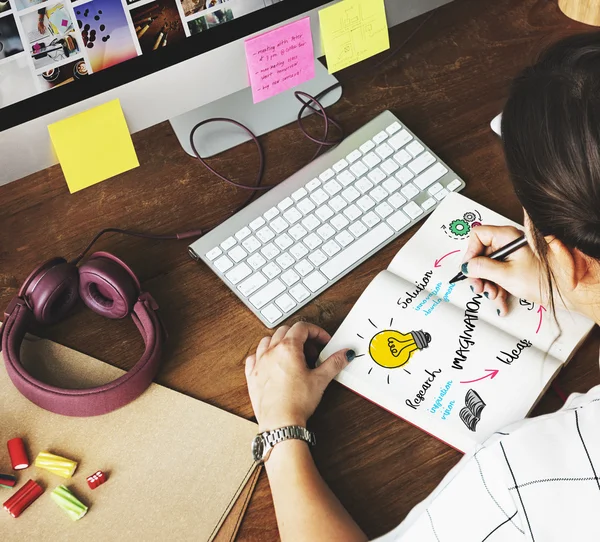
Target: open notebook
<point>438,355</point>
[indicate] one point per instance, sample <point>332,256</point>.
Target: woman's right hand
<point>518,275</point>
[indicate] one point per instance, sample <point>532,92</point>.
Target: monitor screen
<point>82,48</point>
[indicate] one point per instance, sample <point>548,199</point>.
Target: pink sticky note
<point>65,22</point>
<point>280,59</point>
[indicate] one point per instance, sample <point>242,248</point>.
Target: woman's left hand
<point>283,389</point>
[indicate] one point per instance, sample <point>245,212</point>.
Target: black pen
<point>499,254</point>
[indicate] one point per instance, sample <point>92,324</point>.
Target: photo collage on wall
<point>45,44</point>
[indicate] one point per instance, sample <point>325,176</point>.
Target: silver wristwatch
<point>264,442</point>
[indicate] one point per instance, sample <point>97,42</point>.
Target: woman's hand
<point>518,275</point>
<point>41,27</point>
<point>283,390</point>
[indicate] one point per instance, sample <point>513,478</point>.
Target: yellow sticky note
<point>93,146</point>
<point>353,30</point>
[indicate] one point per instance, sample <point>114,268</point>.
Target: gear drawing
<point>470,216</point>
<point>460,227</point>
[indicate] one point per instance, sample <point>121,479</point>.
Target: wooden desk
<point>446,84</point>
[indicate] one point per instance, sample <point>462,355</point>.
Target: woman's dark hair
<point>551,133</point>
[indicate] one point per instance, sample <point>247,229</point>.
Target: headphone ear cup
<point>107,287</point>
<point>51,290</point>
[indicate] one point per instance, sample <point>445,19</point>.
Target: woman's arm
<point>284,391</point>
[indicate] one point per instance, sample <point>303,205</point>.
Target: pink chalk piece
<point>280,59</point>
<point>36,47</point>
<point>64,22</point>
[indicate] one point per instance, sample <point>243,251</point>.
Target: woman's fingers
<point>502,302</point>
<point>250,363</point>
<point>262,347</point>
<point>301,332</point>
<point>486,239</point>
<point>490,290</point>
<point>278,335</point>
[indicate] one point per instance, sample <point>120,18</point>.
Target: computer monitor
<point>161,58</point>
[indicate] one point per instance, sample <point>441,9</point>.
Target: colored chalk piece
<point>353,30</point>
<point>96,479</point>
<point>18,454</point>
<point>64,22</point>
<point>65,499</point>
<point>56,464</point>
<point>7,480</point>
<point>23,498</point>
<point>93,146</point>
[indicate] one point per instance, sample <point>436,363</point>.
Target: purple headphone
<point>110,288</point>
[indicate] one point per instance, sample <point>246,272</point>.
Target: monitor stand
<point>261,118</point>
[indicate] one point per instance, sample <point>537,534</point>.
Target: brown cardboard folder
<point>178,469</point>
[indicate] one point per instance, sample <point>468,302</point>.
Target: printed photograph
<point>10,42</point>
<point>51,35</point>
<point>4,6</point>
<point>16,81</point>
<point>190,7</point>
<point>23,4</point>
<point>55,77</point>
<point>105,32</point>
<point>210,20</point>
<point>157,24</point>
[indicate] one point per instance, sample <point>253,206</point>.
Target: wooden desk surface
<point>446,84</point>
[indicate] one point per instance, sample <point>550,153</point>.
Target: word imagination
<point>420,395</point>
<point>411,296</point>
<point>514,354</point>
<point>465,339</point>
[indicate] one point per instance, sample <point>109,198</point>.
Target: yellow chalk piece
<point>353,30</point>
<point>93,146</point>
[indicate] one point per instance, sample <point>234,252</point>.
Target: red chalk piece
<point>7,480</point>
<point>23,498</point>
<point>96,479</point>
<point>17,453</point>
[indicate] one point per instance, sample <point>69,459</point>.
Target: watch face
<point>258,448</point>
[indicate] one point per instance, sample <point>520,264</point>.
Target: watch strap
<point>289,432</point>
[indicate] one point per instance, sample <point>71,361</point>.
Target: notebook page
<point>433,257</point>
<point>460,398</point>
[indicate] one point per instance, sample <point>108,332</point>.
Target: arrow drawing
<point>491,373</point>
<point>541,310</point>
<point>437,262</point>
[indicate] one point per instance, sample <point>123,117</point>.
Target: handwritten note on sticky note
<point>353,30</point>
<point>93,146</point>
<point>280,59</point>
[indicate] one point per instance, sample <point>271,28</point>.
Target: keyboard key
<point>326,231</point>
<point>312,241</point>
<point>292,215</point>
<point>339,222</point>
<point>351,194</point>
<point>393,128</point>
<point>399,140</point>
<point>237,254</point>
<point>223,264</point>
<point>384,151</point>
<point>370,219</point>
<point>384,210</point>
<point>412,210</point>
<point>239,273</point>
<point>212,254</point>
<point>270,251</point>
<point>256,261</point>
<point>313,185</point>
<point>422,163</point>
<point>367,146</point>
<point>290,277</point>
<point>257,223</point>
<point>303,267</point>
<point>357,229</point>
<point>376,175</point>
<point>331,247</point>
<point>337,203</point>
<point>252,244</point>
<point>402,157</point>
<point>326,175</point>
<point>433,174</point>
<point>306,206</point>
<point>271,313</point>
<point>317,257</point>
<point>332,187</point>
<point>285,204</point>
<point>250,285</point>
<point>315,281</point>
<point>354,156</point>
<point>390,166</point>
<point>396,200</point>
<point>363,246</point>
<point>363,184</point>
<point>345,178</point>
<point>265,234</point>
<point>285,303</point>
<point>415,148</point>
<point>344,238</point>
<point>271,270</point>
<point>324,213</point>
<point>410,191</point>
<point>243,233</point>
<point>285,260</point>
<point>428,204</point>
<point>298,251</point>
<point>311,222</point>
<point>271,213</point>
<point>299,194</point>
<point>352,212</point>
<point>339,166</point>
<point>371,160</point>
<point>300,293</point>
<point>391,185</point>
<point>398,220</point>
<point>267,294</point>
<point>278,225</point>
<point>455,184</point>
<point>404,175</point>
<point>228,243</point>
<point>319,196</point>
<point>378,193</point>
<point>358,169</point>
<point>441,194</point>
<point>434,189</point>
<point>380,137</point>
<point>365,203</point>
<point>297,232</point>
<point>284,241</point>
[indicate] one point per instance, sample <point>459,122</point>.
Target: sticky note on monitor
<point>353,30</point>
<point>280,59</point>
<point>93,146</point>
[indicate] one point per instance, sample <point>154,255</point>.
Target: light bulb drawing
<point>392,349</point>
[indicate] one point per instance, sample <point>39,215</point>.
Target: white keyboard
<point>306,233</point>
